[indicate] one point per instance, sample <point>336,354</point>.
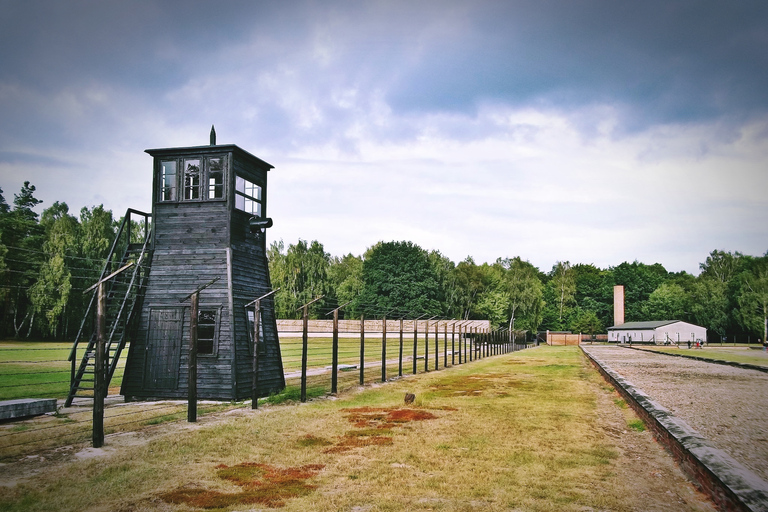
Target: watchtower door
<point>163,351</point>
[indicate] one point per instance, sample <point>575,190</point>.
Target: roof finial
<point>213,136</point>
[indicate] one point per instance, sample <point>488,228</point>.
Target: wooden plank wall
<point>250,279</point>
<point>190,250</point>
<point>563,339</point>
<point>291,327</point>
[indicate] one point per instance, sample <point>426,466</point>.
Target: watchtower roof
<point>202,150</point>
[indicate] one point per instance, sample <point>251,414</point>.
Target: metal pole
<point>192,385</point>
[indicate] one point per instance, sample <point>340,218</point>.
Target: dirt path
<point>728,406</point>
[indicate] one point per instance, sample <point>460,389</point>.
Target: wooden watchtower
<point>203,201</point>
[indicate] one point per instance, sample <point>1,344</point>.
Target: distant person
<point>689,344</point>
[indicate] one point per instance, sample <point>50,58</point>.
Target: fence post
<point>98,377</point>
<point>445,345</point>
<point>335,355</point>
<point>470,340</point>
<point>400,359</point>
<point>304,348</point>
<point>460,343</point>
<point>255,380</point>
<point>256,340</point>
<point>437,345</point>
<point>384,349</point>
<point>426,346</point>
<point>415,342</point>
<point>192,386</point>
<point>453,343</point>
<point>362,349</point>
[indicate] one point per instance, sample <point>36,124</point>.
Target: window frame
<point>246,198</point>
<point>216,308</point>
<point>204,188</point>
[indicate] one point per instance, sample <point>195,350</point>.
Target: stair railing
<point>124,231</point>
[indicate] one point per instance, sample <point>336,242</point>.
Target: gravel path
<point>728,406</point>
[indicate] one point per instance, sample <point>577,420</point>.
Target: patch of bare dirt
<point>646,468</point>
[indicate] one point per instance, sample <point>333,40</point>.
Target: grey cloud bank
<point>592,131</point>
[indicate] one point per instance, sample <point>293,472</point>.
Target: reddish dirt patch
<point>385,417</point>
<point>373,424</point>
<point>261,484</point>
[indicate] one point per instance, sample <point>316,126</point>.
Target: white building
<point>659,332</point>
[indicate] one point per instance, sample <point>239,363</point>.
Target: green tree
<point>493,305</point>
<point>667,302</point>
<point>301,273</point>
<point>448,293</point>
<point>398,277</point>
<point>586,321</point>
<point>523,289</point>
<point>721,266</point>
<point>563,284</point>
<point>470,281</point>
<point>23,239</point>
<point>709,304</point>
<point>345,276</point>
<point>639,281</point>
<point>4,274</point>
<point>97,232</point>
<point>714,294</point>
<point>753,297</point>
<point>594,291</point>
<point>50,294</point>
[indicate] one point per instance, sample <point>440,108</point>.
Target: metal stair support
<point>124,294</point>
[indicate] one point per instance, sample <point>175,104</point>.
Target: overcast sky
<point>591,131</point>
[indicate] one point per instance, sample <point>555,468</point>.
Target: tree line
<point>399,279</point>
<point>48,260</point>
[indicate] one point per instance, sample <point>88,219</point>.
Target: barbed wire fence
<point>319,357</point>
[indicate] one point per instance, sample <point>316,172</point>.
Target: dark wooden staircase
<point>124,293</point>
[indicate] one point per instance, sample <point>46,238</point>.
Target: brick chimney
<point>618,305</point>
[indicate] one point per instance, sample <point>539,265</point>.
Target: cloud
<point>590,131</point>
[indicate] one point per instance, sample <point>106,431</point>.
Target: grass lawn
<point>320,350</point>
<point>734,354</point>
<point>526,431</point>
<point>35,369</point>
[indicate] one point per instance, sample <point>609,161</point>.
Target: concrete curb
<point>730,485</point>
<point>745,366</point>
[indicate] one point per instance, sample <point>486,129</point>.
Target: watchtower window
<point>206,330</point>
<point>199,178</point>
<point>191,179</point>
<point>168,181</point>
<point>247,196</point>
<point>215,178</point>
